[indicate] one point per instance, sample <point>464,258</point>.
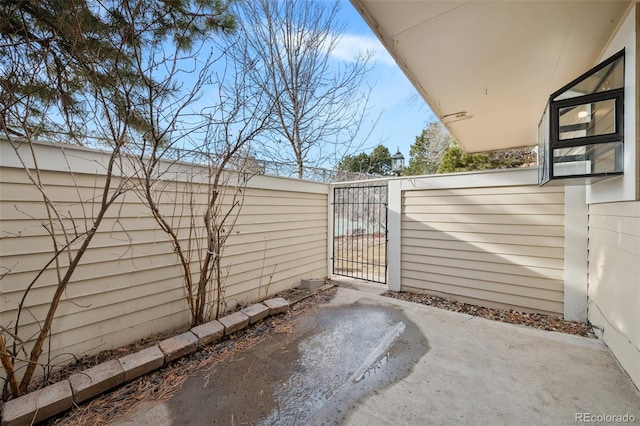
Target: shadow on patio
<point>364,359</point>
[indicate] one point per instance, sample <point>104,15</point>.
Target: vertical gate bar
<point>333,233</point>
<point>347,217</point>
<point>362,238</point>
<point>365,218</point>
<point>376,251</point>
<point>377,241</point>
<point>349,204</point>
<point>336,225</point>
<point>386,232</point>
<point>378,218</point>
<point>341,231</point>
<point>356,241</point>
<point>371,269</point>
<point>376,247</point>
<point>356,224</point>
<point>342,213</point>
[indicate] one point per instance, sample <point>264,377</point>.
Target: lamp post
<point>397,163</point>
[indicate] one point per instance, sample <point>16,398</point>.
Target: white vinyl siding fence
<point>129,285</point>
<point>614,279</point>
<point>500,246</point>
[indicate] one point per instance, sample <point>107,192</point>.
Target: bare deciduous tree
<point>70,69</point>
<point>320,103</point>
<point>205,209</point>
<point>427,150</point>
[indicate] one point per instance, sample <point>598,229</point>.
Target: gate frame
<point>331,226</point>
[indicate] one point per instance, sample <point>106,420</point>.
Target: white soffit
<point>496,61</point>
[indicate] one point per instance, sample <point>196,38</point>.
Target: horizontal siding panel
<point>483,209</point>
<point>475,289</point>
<point>103,262</point>
<point>621,241</point>
<point>158,322</point>
<point>515,283</point>
<point>482,191</point>
<point>614,277</point>
<point>622,224</point>
<point>109,306</point>
<point>614,210</point>
<point>129,279</point>
<point>553,306</point>
<point>483,247</point>
<point>603,253</point>
<point>245,280</point>
<point>479,237</point>
<point>509,259</point>
<point>149,241</point>
<point>504,293</point>
<point>254,214</point>
<point>447,227</point>
<point>282,263</point>
<point>91,333</point>
<point>500,245</point>
<point>497,218</point>
<point>81,295</point>
<point>543,277</point>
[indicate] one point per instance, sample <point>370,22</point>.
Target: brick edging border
<point>58,397</point>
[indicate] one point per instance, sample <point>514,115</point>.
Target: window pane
<point>608,78</point>
<point>588,160</point>
<point>593,119</point>
<point>543,148</point>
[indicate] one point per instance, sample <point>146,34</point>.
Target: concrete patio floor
<point>364,359</point>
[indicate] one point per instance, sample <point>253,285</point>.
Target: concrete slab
<point>95,380</point>
<point>234,322</point>
<point>142,362</point>
<point>38,405</point>
<point>277,305</point>
<point>178,346</point>
<point>208,332</point>
<point>487,372</point>
<point>256,312</point>
<point>363,359</point>
<point>360,285</point>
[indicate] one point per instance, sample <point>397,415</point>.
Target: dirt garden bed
<point>161,384</point>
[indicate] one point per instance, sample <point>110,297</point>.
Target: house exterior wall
<point>614,223</point>
<point>494,239</point>
<point>614,277</point>
<point>129,284</point>
<point>625,187</point>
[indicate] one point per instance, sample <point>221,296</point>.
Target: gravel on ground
<point>540,321</point>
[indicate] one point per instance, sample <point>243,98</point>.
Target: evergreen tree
<point>455,160</point>
<point>427,150</point>
<point>376,163</point>
<point>55,52</point>
<point>380,160</point>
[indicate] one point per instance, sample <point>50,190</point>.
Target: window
<point>581,131</point>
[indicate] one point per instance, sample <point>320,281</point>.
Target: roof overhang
<point>487,68</point>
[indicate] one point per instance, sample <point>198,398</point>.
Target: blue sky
<point>404,113</point>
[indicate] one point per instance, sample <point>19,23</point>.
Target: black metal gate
<point>360,232</point>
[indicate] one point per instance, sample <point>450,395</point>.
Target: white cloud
<point>353,45</point>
